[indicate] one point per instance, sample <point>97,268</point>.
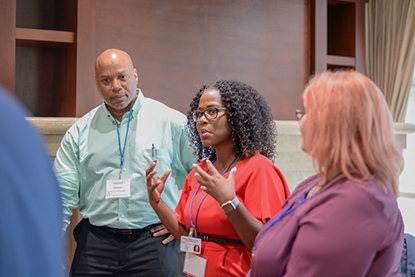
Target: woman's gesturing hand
<point>215,184</point>
<point>155,186</point>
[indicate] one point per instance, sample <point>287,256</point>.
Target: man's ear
<point>135,76</point>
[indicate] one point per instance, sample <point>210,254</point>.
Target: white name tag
<point>194,265</point>
<point>190,244</point>
<point>117,189</point>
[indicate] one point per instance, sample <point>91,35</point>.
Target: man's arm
<point>184,158</point>
<point>66,168</point>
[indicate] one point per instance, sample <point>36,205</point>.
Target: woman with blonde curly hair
<point>343,221</point>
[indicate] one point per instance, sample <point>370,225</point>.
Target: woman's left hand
<point>215,184</point>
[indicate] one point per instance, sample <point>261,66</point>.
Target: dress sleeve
<point>341,236</point>
<point>266,190</point>
<point>66,167</point>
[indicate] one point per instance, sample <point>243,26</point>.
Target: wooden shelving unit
<point>337,40</point>
<point>36,37</point>
<point>40,40</point>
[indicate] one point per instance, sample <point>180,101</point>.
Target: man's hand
<point>161,230</point>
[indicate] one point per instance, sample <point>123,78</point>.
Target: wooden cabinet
<point>337,38</point>
<point>48,48</point>
<point>39,54</point>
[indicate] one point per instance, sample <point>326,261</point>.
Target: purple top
<point>349,229</point>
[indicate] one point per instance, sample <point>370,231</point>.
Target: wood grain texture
<point>319,54</point>
<point>360,38</point>
<point>58,37</point>
<point>86,95</point>
<point>7,44</point>
<point>341,26</point>
<point>177,46</point>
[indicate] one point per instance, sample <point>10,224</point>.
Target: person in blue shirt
<point>101,167</point>
<point>30,202</point>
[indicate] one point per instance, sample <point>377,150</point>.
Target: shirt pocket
<point>163,160</point>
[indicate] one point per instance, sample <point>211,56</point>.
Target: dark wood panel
<point>7,44</point>
<point>28,35</point>
<point>341,21</point>
<point>46,56</point>
<point>37,14</point>
<point>86,96</point>
<point>340,60</point>
<point>360,38</point>
<point>177,46</point>
<point>309,38</point>
<point>319,36</point>
<point>45,79</point>
<point>47,14</point>
<point>352,1</point>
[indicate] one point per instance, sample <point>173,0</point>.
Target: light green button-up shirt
<point>89,156</point>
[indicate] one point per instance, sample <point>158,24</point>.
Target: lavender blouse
<point>349,229</point>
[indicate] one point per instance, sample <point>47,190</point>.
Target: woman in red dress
<point>235,189</point>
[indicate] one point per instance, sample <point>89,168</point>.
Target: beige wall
<point>291,160</point>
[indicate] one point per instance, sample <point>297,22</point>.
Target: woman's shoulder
<point>368,192</point>
<point>257,160</point>
<point>257,164</point>
<point>369,202</point>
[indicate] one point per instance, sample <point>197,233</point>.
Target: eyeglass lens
<point>210,113</point>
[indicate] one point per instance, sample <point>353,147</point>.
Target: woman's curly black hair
<point>252,124</point>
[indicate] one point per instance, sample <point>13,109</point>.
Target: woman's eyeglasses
<point>299,114</point>
<point>209,113</point>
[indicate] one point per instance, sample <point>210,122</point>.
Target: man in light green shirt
<point>101,168</point>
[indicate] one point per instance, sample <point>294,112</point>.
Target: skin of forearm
<point>245,224</point>
<point>170,219</point>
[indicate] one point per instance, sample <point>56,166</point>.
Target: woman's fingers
<point>212,169</point>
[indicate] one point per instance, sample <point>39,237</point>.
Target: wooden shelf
<point>45,44</point>
<point>337,35</point>
<point>351,1</point>
<point>341,61</point>
<point>35,37</point>
<point>341,29</point>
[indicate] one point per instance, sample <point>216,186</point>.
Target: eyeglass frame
<point>299,114</point>
<point>196,115</point>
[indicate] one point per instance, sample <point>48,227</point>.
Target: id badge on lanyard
<point>117,189</point>
<point>194,264</point>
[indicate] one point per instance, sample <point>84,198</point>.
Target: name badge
<point>117,189</point>
<point>194,265</point>
<point>189,244</point>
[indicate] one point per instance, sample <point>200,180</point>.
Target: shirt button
<point>124,169</point>
<point>122,215</point>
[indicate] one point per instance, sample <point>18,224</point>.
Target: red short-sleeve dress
<point>259,185</point>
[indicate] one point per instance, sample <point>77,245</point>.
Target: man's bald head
<point>111,56</point>
<point>116,80</point>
